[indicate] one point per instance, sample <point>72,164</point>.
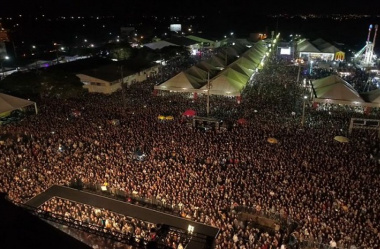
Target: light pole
<point>208,94</point>
<point>311,66</point>
<point>303,110</point>
<point>2,67</point>
<point>299,72</point>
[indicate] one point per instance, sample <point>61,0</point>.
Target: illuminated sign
<point>285,51</point>
<point>175,27</point>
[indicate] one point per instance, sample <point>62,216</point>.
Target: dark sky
<point>181,7</point>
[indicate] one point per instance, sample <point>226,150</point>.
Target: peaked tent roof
<point>372,96</point>
<point>204,65</point>
<point>10,103</point>
<point>331,80</point>
<point>159,44</point>
<point>246,63</point>
<point>229,82</point>
<point>241,69</point>
<point>199,39</point>
<point>181,41</point>
<point>325,46</point>
<point>197,72</point>
<point>216,61</point>
<point>255,58</point>
<point>306,46</point>
<point>334,89</point>
<point>182,82</point>
<point>320,43</point>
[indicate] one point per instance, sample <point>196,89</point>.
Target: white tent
<point>216,61</point>
<point>306,46</point>
<point>182,82</point>
<point>239,67</point>
<point>335,90</point>
<point>324,46</point>
<point>197,72</point>
<point>206,66</point>
<point>159,45</point>
<point>246,63</point>
<point>229,83</point>
<point>9,103</point>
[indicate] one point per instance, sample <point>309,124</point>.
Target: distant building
<point>257,36</point>
<point>318,49</point>
<point>207,43</point>
<point>107,79</point>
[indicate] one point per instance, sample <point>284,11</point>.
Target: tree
<point>60,84</point>
<point>119,51</point>
<point>52,83</point>
<point>23,84</point>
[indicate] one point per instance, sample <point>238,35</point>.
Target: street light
<point>2,67</point>
<point>311,66</point>
<point>303,110</point>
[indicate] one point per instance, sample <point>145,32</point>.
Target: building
<point>107,79</point>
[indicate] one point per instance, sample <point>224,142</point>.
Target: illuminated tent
<point>9,103</point>
<point>216,61</point>
<point>229,83</point>
<point>333,89</point>
<point>204,65</point>
<point>231,51</point>
<point>246,63</point>
<point>182,82</point>
<point>306,46</point>
<point>324,46</point>
<point>260,47</point>
<point>197,72</point>
<point>239,67</point>
<point>159,45</point>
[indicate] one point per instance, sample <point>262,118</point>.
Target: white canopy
<point>9,103</point>
<point>182,82</point>
<point>229,82</point>
<point>159,44</point>
<point>333,89</point>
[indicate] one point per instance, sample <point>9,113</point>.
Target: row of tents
<point>335,90</point>
<point>224,78</point>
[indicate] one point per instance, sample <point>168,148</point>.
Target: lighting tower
<point>367,57</point>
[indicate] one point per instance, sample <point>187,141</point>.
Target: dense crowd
<point>109,222</point>
<point>329,188</point>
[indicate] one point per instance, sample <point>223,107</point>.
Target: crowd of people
<point>329,189</point>
<point>131,229</point>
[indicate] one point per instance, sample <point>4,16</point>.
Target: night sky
<point>180,7</point>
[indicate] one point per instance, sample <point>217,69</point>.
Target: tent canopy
<point>229,82</point>
<point>159,44</point>
<point>197,72</point>
<point>306,46</point>
<point>333,89</point>
<point>372,96</point>
<point>182,82</point>
<point>10,103</point>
